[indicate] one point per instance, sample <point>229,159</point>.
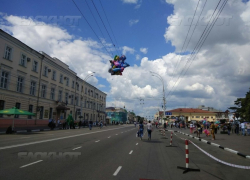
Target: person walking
<point>237,127</point>
<point>191,128</point>
<point>149,128</point>
<point>90,124</point>
<point>140,129</point>
<point>212,127</point>
<point>232,128</point>
<point>242,125</point>
<point>198,129</point>
<point>229,128</point>
<point>248,128</point>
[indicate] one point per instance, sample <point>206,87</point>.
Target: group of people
<point>141,129</point>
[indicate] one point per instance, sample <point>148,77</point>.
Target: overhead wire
<point>202,39</point>
<point>109,24</point>
<point>103,24</point>
<point>91,27</point>
<point>177,63</point>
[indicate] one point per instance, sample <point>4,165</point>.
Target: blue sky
<point>146,32</point>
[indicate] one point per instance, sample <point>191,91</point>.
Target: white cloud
<point>144,50</point>
<point>126,49</point>
<point>133,21</point>
<point>130,1</point>
<point>137,57</point>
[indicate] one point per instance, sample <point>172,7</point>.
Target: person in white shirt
<point>243,125</point>
<point>149,128</point>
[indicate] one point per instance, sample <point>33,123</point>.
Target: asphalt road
<point>112,153</point>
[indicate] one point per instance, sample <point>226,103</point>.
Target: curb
<point>214,144</point>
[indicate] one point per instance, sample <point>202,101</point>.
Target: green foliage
<point>242,107</point>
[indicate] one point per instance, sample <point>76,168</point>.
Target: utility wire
<point>109,24</point>
<point>202,37</point>
<point>177,63</point>
<point>103,24</point>
<point>91,27</point>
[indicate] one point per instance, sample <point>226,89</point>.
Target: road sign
<point>168,113</point>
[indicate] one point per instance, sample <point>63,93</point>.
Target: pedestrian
<point>58,122</point>
<point>229,128</point>
<point>212,127</point>
<point>165,126</point>
<point>198,129</point>
<point>248,128</point>
<point>90,124</point>
<point>233,128</point>
<point>135,124</point>
<point>149,128</point>
<point>237,127</point>
<point>140,129</point>
<point>191,128</point>
<point>242,125</point>
<point>101,124</point>
<point>80,124</point>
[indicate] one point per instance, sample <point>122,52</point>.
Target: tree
<point>242,108</point>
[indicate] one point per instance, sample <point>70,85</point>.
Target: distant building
<point>188,114</point>
<point>116,115</point>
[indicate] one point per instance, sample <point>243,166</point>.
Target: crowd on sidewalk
<point>198,128</point>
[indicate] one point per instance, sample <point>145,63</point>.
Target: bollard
<point>187,152</point>
<point>187,169</point>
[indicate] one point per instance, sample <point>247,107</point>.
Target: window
<point>54,75</point>
<point>72,99</point>
<point>66,97</point>
<point>86,90</point>
<point>35,66</point>
<point>52,93</point>
<point>2,102</point>
<point>82,89</point>
<point>50,112</point>
<point>4,80</point>
<point>60,95</point>
<point>20,84</point>
<point>85,103</point>
<point>192,116</point>
<point>45,71</point>
<point>8,51</point>
<point>67,81</point>
<point>30,110</point>
<point>43,93</point>
<point>23,60</point>
<point>18,105</point>
<point>32,88</point>
<point>73,84</point>
<point>77,86</point>
<point>61,78</point>
<point>197,117</point>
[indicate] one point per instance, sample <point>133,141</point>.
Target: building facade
<point>116,115</point>
<point>188,114</point>
<point>34,81</point>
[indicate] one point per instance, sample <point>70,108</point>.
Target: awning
<point>62,108</point>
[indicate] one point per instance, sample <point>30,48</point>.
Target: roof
<point>189,110</point>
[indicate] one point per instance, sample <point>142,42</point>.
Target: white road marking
<point>55,139</point>
<point>31,163</point>
<point>131,152</point>
<point>109,136</point>
<point>77,148</point>
<point>116,134</point>
<point>117,171</point>
<point>136,144</point>
<point>98,141</point>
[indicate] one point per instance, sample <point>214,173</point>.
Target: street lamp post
<point>163,89</point>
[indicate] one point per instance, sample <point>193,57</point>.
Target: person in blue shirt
<point>140,129</point>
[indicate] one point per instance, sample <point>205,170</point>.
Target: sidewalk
<point>236,142</point>
<point>39,128</point>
